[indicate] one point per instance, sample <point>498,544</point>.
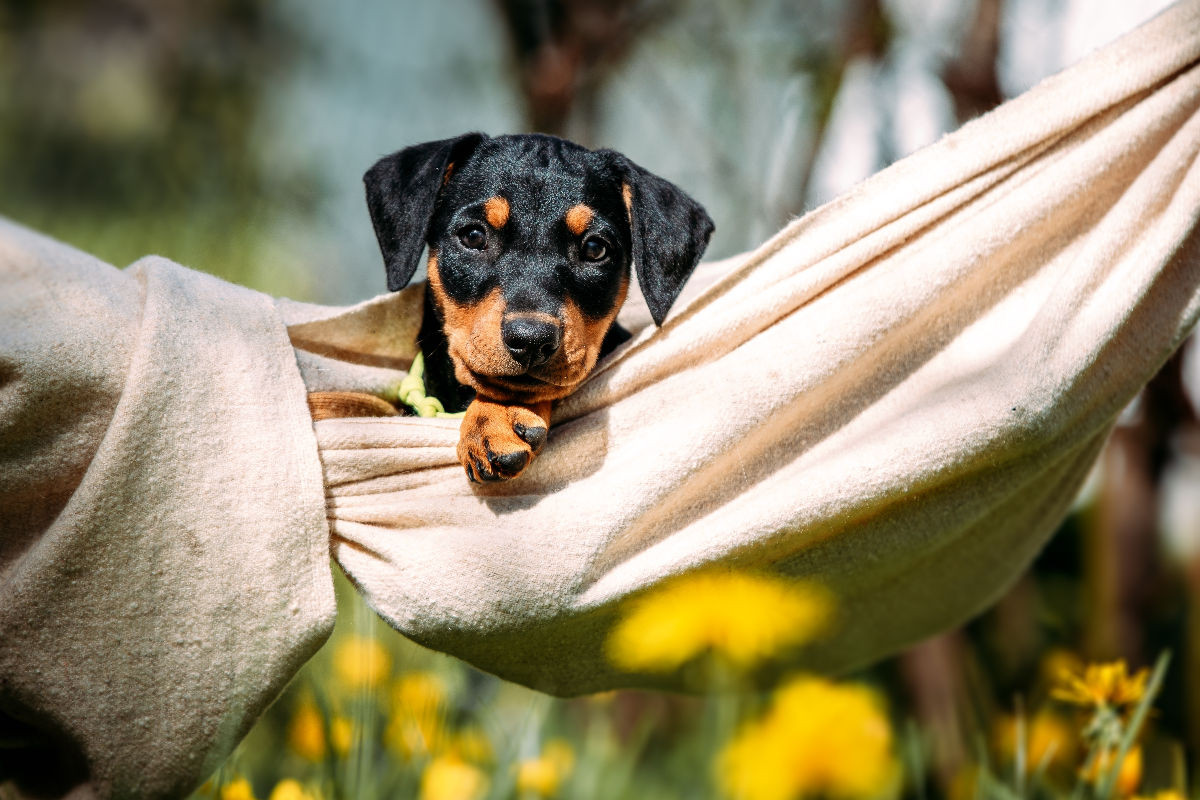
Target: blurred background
<point>231,136</point>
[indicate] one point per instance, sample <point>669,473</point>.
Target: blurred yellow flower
<point>414,737</point>
<point>1129,774</point>
<point>537,777</point>
<point>471,744</point>
<point>965,783</point>
<point>1049,739</point>
<point>543,776</point>
<point>818,737</point>
<point>560,753</point>
<point>744,618</point>
<point>418,692</point>
<point>416,727</point>
<point>450,778</point>
<point>237,789</point>
<point>341,735</point>
<point>291,789</point>
<point>1165,794</point>
<point>1057,662</point>
<point>306,732</point>
<point>361,662</point>
<point>1102,685</point>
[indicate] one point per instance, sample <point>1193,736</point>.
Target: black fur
<point>439,370</point>
<point>401,191</point>
<point>670,232</point>
<point>534,260</point>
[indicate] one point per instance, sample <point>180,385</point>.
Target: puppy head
<point>531,239</point>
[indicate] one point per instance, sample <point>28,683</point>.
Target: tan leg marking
<point>499,440</point>
<point>336,405</point>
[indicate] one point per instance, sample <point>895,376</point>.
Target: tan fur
<point>582,339</point>
<point>488,427</point>
<point>482,362</point>
<point>578,218</point>
<point>495,210</point>
<point>473,333</point>
<point>540,316</point>
<point>334,405</point>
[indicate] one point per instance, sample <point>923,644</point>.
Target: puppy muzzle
<point>531,340</point>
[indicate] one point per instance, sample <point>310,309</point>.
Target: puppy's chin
<point>522,388</point>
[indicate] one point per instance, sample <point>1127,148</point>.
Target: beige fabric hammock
<point>898,396</point>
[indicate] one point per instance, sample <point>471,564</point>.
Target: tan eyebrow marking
<point>578,218</point>
<point>627,196</point>
<point>496,211</point>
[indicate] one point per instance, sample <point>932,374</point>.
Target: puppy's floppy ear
<point>401,191</point>
<point>670,231</point>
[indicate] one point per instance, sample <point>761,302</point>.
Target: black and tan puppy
<point>530,239</point>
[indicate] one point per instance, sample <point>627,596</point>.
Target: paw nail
<point>535,437</point>
<point>513,462</point>
<point>480,472</point>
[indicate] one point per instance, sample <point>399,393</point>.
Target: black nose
<point>530,340</point>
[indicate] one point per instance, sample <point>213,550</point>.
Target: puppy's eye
<point>593,249</point>
<point>473,237</point>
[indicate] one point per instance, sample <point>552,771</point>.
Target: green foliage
<point>131,129</point>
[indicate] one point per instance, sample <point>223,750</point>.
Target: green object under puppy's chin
<point>411,392</point>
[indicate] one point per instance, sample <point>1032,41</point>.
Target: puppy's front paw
<point>498,441</point>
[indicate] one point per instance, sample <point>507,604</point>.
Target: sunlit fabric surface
<point>898,396</point>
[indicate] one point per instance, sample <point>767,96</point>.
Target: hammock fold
<point>897,396</point>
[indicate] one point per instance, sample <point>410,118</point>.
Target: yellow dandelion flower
<point>291,789</point>
<point>418,692</point>
<point>1049,739</point>
<point>450,778</point>
<point>1164,794</point>
<point>560,753</point>
<point>1129,773</point>
<point>414,737</point>
<point>306,732</point>
<point>1130,690</point>
<point>965,783</point>
<point>543,776</point>
<point>1057,662</point>
<point>1101,685</point>
<point>361,662</point>
<point>237,789</point>
<point>341,735</point>
<point>471,744</point>
<point>537,777</point>
<point>818,737</point>
<point>745,618</point>
<point>417,724</point>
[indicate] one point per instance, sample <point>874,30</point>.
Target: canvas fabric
<point>898,396</point>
